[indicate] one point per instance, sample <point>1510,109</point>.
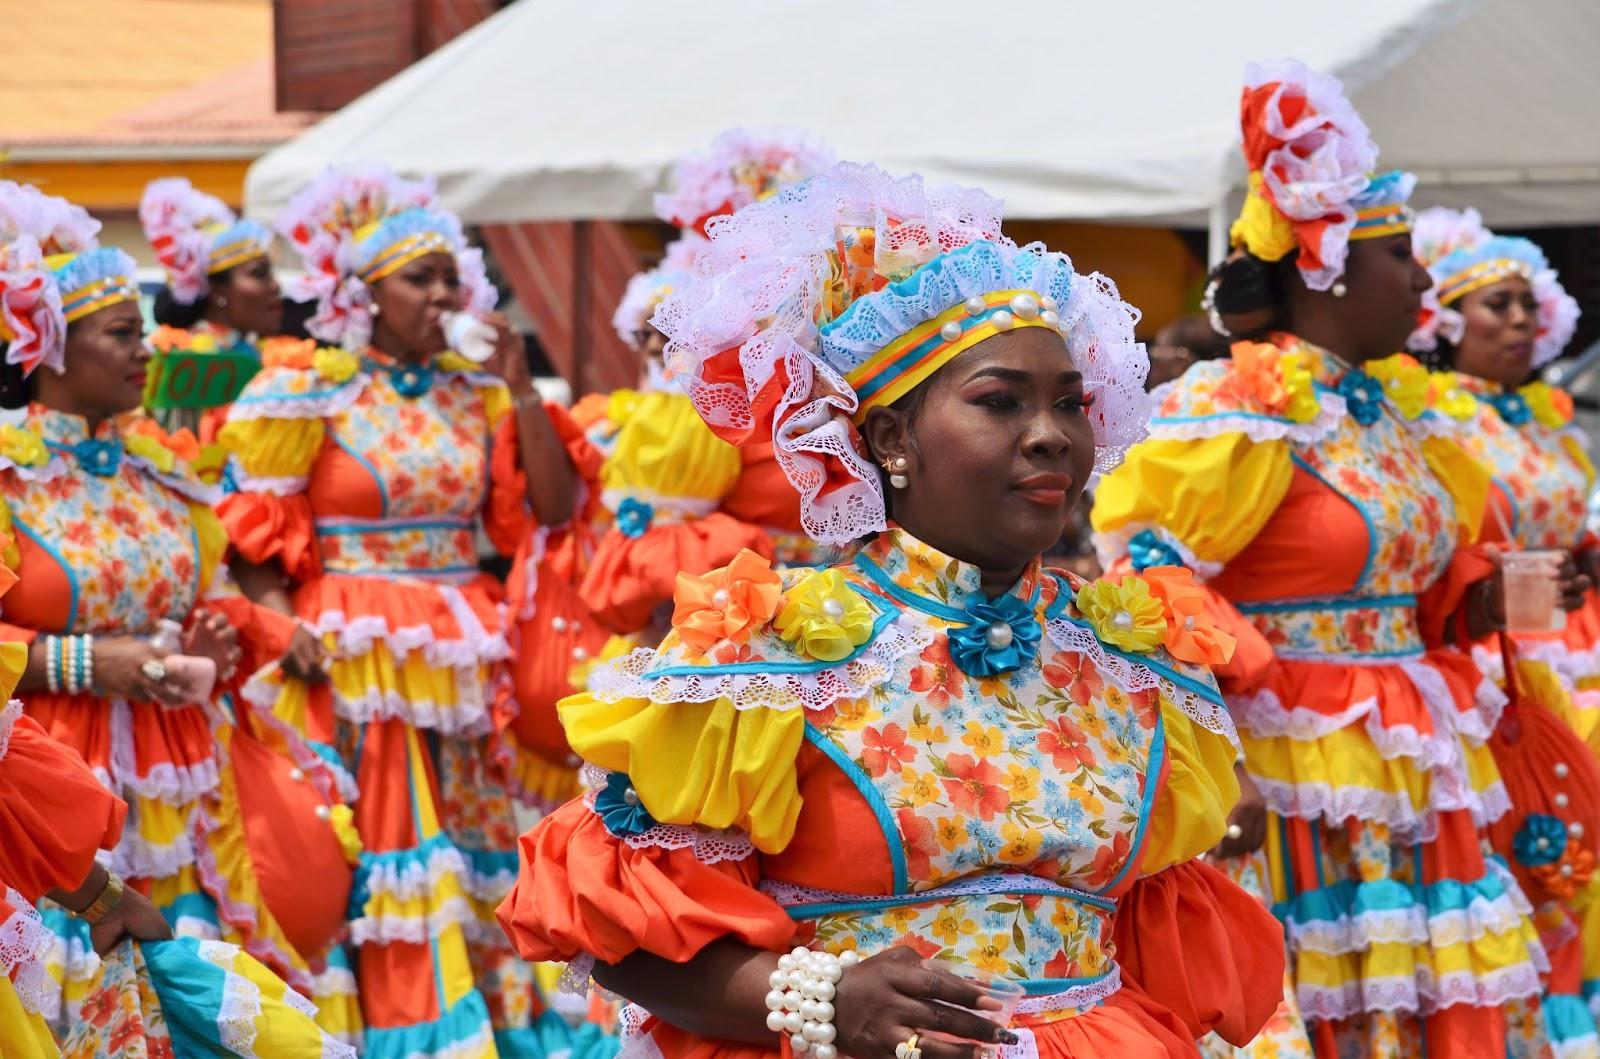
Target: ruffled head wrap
<point>53,271</point>
<point>1463,256</point>
<point>646,289</point>
<point>846,292</point>
<point>1310,155</point>
<point>353,226</point>
<point>195,236</point>
<point>740,166</point>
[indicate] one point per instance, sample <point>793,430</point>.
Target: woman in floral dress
<point>938,758</point>
<point>363,474</point>
<point>114,535</point>
<point>1309,481</point>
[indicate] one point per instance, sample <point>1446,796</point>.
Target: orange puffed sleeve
<point>1202,948</point>
<point>264,526</point>
<point>582,890</point>
<point>507,519</point>
<point>1440,609</point>
<point>54,814</point>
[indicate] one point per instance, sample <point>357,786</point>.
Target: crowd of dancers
<point>829,757</point>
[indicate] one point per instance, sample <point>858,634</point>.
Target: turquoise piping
<point>1152,780</point>
<point>1372,531</point>
<point>1046,986</point>
<point>881,578</point>
<point>1331,603</point>
<point>72,577</point>
<point>383,492</point>
<point>880,808</point>
<point>392,526</point>
<point>817,910</point>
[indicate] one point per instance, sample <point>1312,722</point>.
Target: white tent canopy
<point>1122,110</point>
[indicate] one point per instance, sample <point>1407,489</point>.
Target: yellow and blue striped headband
<point>389,245</point>
<point>1381,209</point>
<point>94,279</point>
<point>235,244</point>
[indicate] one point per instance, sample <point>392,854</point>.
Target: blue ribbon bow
<point>1540,840</point>
<point>99,456</point>
<point>1513,408</point>
<point>1002,634</point>
<point>412,380</point>
<point>634,517</point>
<point>1363,395</point>
<point>620,809</point>
<point>1146,549</point>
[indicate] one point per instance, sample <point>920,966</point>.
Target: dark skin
<point>1502,320</point>
<point>103,378</point>
<point>246,298</point>
<point>410,304</point>
<point>133,916</point>
<point>996,452</point>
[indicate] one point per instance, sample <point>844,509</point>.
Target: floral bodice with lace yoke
<point>114,531</point>
<point>891,756</point>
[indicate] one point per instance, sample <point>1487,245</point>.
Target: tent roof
<point>575,108</point>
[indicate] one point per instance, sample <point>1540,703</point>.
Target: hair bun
<point>1245,292</point>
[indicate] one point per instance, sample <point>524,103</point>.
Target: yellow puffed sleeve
<point>1213,494</point>
<point>1190,812</point>
<point>700,762</point>
<point>664,448</point>
<point>1467,480</point>
<point>1575,451</point>
<point>274,448</point>
<point>212,540</point>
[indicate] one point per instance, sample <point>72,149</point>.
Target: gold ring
<point>907,1049</point>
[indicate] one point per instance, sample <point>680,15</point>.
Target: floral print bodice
<point>118,530</point>
<point>1539,460</point>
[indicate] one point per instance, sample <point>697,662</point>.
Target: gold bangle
<point>106,903</point>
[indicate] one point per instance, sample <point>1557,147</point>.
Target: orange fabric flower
<point>285,352</point>
<point>727,604</point>
<point>1568,875</point>
<point>1256,375</point>
<point>1191,634</point>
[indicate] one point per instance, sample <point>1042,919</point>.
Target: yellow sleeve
<point>698,763</point>
<point>1467,480</point>
<point>212,540</point>
<point>274,448</point>
<point>1191,810</point>
<point>1212,494</point>
<point>1576,452</point>
<point>664,448</point>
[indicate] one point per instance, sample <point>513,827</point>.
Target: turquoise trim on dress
<point>1327,603</point>
<point>1349,898</point>
<point>904,596</point>
<point>1567,1018</point>
<point>468,1017</point>
<point>71,575</point>
<point>1154,766</point>
<point>383,490</point>
<point>1043,888</point>
<point>309,395</point>
<point>1047,986</point>
<point>1161,421</point>
<point>1516,512</point>
<point>399,525</point>
<point>880,808</point>
<point>882,621</point>
<point>1200,688</point>
<point>1372,530</point>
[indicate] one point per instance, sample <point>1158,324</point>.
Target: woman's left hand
<point>1247,824</point>
<point>510,357</point>
<point>1573,582</point>
<point>210,636</point>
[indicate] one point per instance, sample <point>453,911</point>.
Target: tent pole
<point>1217,231</point>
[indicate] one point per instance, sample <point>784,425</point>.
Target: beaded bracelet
<point>800,1003</point>
<point>52,663</point>
<point>69,663</point>
<point>86,663</point>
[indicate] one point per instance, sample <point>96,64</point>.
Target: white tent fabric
<point>1122,110</point>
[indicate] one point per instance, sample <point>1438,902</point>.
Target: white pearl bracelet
<point>801,1001</point>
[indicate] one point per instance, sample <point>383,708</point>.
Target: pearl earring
<point>897,472</point>
<point>222,301</point>
<point>1339,290</point>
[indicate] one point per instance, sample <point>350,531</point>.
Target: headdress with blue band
<point>53,272</point>
<point>357,225</point>
<point>1463,256</point>
<point>196,236</point>
<point>849,290</point>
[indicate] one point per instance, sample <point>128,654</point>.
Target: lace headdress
<point>353,226</point>
<point>740,166</point>
<point>848,290</point>
<point>1463,256</point>
<point>53,271</point>
<point>195,236</point>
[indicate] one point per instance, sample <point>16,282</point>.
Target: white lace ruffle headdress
<point>647,289</point>
<point>53,271</point>
<point>195,236</point>
<point>805,309</point>
<point>353,226</point>
<point>1463,256</point>
<point>739,167</point>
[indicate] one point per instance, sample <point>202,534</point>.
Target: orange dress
<point>1322,503</point>
<point>834,777</point>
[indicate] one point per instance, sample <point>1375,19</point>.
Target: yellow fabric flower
<point>343,820</point>
<point>1451,398</point>
<point>22,447</point>
<point>211,462</point>
<point>335,365</point>
<point>824,618</point>
<point>1552,407</point>
<point>1261,229</point>
<point>151,451</point>
<point>1406,383</point>
<point>1298,382</point>
<point>1124,613</point>
<point>202,342</point>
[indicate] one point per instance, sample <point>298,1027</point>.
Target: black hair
<point>15,390</point>
<point>173,313</point>
<point>1248,293</point>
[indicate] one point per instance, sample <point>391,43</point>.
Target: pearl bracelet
<point>801,1001</point>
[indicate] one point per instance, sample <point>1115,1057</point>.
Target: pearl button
<point>579,654</point>
<point>1575,829</point>
<point>1560,769</point>
<point>1561,801</point>
<point>833,609</point>
<point>1047,303</point>
<point>630,796</point>
<point>573,761</point>
<point>559,624</point>
<point>1566,871</point>
<point>1188,623</point>
<point>999,636</point>
<point>1542,842</point>
<point>1050,318</point>
<point>297,775</point>
<point>950,331</point>
<point>1122,620</point>
<point>720,598</point>
<point>975,305</point>
<point>1002,319</point>
<point>322,812</point>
